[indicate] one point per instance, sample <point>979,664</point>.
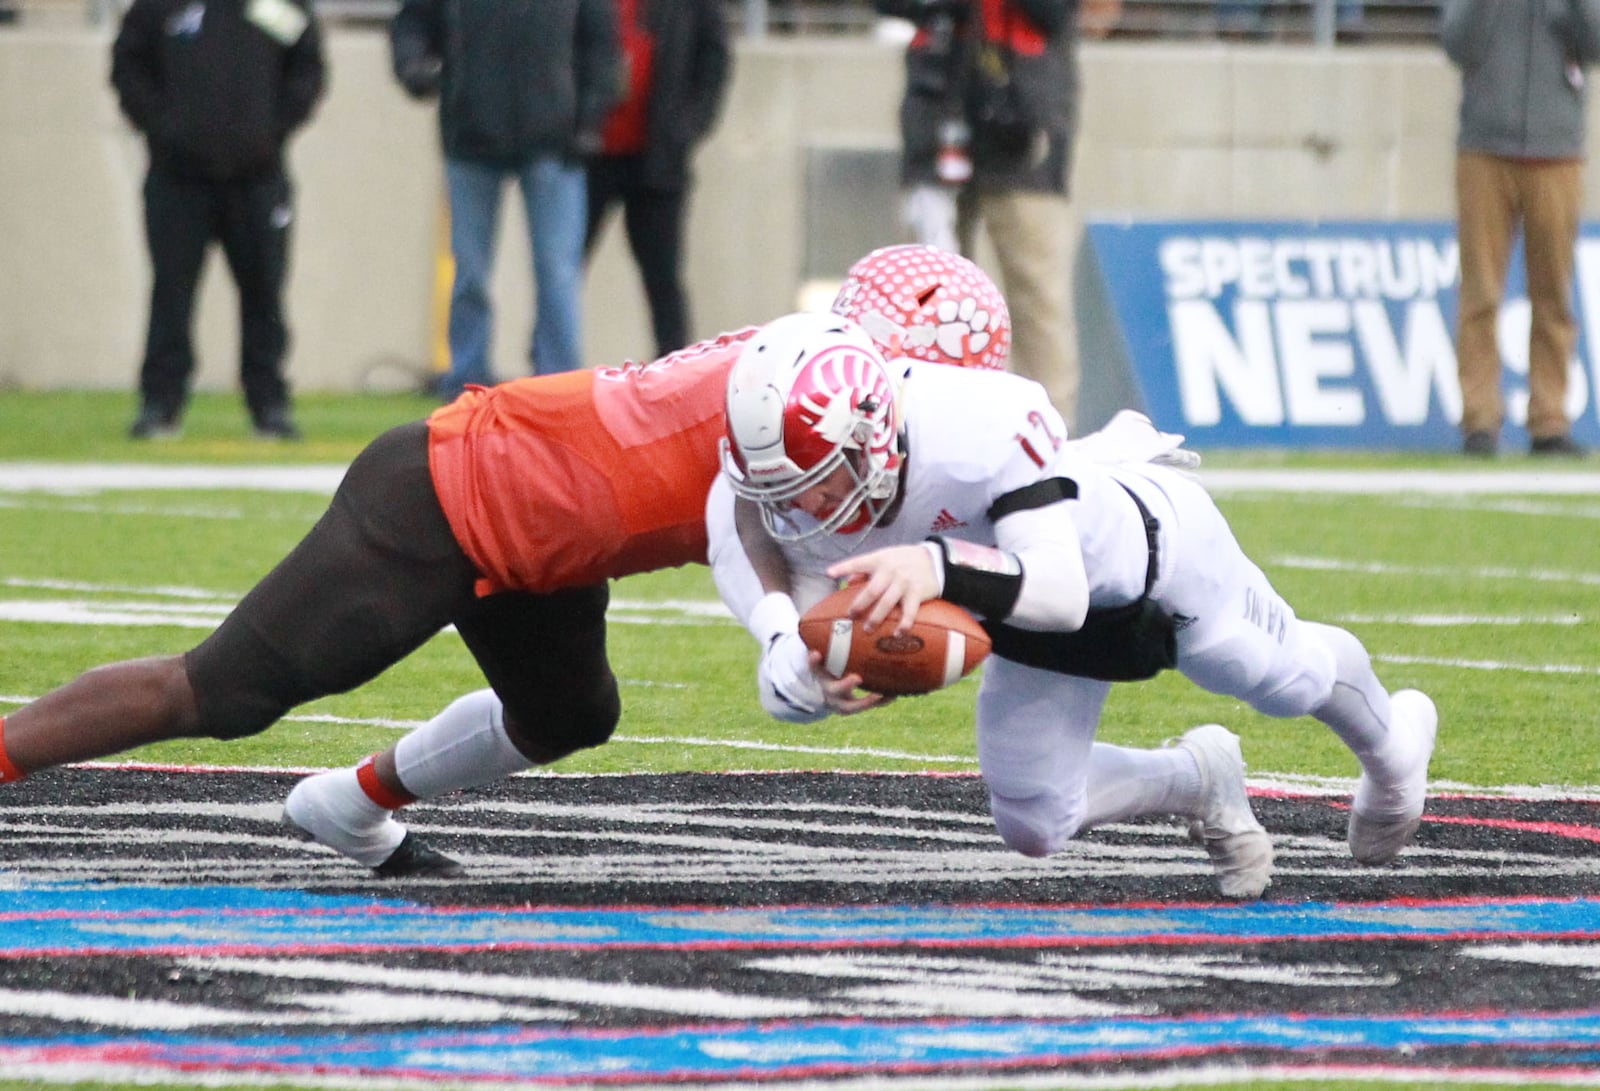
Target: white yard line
<point>1397,482</point>
<point>69,478</point>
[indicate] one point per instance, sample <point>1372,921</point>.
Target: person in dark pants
<point>677,60</point>
<point>217,87</point>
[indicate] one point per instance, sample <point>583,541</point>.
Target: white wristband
<point>774,615</point>
<point>937,553</point>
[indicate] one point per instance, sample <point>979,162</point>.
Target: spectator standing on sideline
<point>935,137</point>
<point>1519,164</point>
<point>1010,67</point>
<point>676,57</point>
<point>1248,18</point>
<point>523,86</point>
<point>217,87</point>
<point>1023,107</point>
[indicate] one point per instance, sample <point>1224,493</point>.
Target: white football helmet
<point>809,394</point>
<point>928,304</point>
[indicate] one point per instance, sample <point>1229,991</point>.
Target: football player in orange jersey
<point>505,514</point>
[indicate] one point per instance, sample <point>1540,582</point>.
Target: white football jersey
<point>973,436</point>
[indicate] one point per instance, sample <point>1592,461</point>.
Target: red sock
<point>367,777</point>
<point>8,771</point>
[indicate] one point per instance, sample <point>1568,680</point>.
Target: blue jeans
<point>554,196</point>
<point>1250,15</point>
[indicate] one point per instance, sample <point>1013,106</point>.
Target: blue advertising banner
<point>1244,334</point>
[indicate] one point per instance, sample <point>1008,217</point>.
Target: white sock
<point>464,746</point>
<point>1358,709</point>
<point>1126,783</point>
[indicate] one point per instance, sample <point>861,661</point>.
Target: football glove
<point>790,689</point>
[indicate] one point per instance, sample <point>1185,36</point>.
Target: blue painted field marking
<point>799,1049</point>
<point>66,922</point>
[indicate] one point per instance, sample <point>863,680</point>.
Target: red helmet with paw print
<point>928,304</point>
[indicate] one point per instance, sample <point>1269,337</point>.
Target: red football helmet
<point>928,304</point>
<point>808,394</point>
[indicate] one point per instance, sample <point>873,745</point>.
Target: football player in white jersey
<point>923,481</point>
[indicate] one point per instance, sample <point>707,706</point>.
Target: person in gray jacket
<point>1519,164</point>
<point>524,87</point>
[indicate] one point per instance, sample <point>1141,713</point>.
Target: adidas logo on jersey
<point>945,521</point>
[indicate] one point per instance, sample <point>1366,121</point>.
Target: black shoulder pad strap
<point>1036,495</point>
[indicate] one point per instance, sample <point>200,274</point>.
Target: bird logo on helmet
<point>928,304</point>
<point>809,394</point>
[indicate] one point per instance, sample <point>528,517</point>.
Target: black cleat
<point>277,424</point>
<point>154,423</point>
<point>413,859</point>
<point>1556,446</point>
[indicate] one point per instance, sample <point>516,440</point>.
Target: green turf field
<point>1488,601</point>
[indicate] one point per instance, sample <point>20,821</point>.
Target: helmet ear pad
<point>928,304</point>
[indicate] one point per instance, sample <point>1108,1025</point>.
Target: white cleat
<point>321,808</point>
<point>1384,820</point>
<point>1239,848</point>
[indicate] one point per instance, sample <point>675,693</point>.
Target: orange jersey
<point>569,480</point>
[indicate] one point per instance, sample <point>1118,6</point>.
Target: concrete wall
<point>1197,130</point>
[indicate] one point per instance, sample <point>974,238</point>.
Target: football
<point>942,646</point>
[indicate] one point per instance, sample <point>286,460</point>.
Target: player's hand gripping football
<point>901,576</point>
<point>844,696</point>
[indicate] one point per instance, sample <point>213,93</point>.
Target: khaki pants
<point>1032,235</point>
<point>1494,197</point>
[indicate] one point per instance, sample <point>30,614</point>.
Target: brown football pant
<point>1495,196</point>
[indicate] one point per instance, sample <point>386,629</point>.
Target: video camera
<point>935,61</point>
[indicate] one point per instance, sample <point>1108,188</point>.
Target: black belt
<point>1126,643</point>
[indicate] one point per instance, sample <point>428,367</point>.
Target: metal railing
<point>1324,22</point>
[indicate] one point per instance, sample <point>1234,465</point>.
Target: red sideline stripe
<point>1570,830</point>
<point>1554,829</point>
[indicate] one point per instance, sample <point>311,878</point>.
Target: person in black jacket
<point>524,87</point>
<point>217,87</point>
<point>677,60</point>
<point>992,89</point>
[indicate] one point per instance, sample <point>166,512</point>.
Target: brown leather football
<point>942,646</point>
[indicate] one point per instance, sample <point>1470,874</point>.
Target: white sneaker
<point>1239,848</point>
<point>331,809</point>
<point>1384,819</point>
